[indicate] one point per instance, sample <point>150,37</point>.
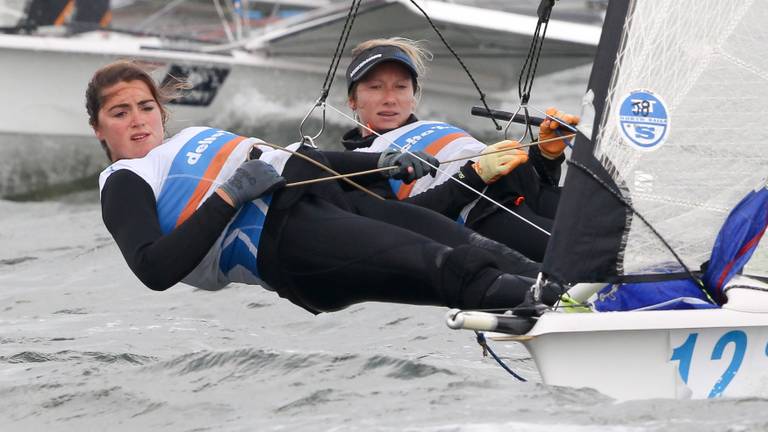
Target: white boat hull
<point>654,354</point>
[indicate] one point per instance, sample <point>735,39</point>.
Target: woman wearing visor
<point>383,90</point>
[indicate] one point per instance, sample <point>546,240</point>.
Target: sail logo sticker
<point>643,120</point>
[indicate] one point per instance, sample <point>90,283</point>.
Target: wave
<point>246,361</point>
<point>403,369</point>
<point>249,361</point>
<point>61,356</point>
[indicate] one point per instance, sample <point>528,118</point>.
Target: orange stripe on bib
<point>210,175</point>
<point>405,190</point>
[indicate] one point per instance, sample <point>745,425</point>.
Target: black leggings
<point>515,232</point>
<point>442,230</point>
<point>330,258</point>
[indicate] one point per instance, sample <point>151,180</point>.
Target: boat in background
<point>662,182</point>
<point>492,41</point>
<point>45,138</point>
<point>243,75</point>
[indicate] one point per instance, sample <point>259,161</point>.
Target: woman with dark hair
<point>208,207</point>
<point>383,88</point>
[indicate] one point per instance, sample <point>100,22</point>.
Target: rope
<point>455,55</point>
<point>520,146</point>
<point>323,167</point>
<point>480,194</point>
<point>487,349</point>
<point>339,177</point>
<point>387,168</point>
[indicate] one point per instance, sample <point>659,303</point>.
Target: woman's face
<point>384,98</point>
<point>130,120</point>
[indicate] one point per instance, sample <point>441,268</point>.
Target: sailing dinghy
<point>665,194</point>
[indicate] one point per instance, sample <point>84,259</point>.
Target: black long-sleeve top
<point>129,211</point>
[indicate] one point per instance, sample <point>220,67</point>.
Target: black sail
<point>586,240</point>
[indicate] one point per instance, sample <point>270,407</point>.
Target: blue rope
<point>483,343</point>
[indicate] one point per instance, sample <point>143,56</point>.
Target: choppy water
<point>84,346</point>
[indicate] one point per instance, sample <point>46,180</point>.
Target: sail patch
<point>643,120</point>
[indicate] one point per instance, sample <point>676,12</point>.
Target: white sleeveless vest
<point>440,140</point>
<point>183,172</point>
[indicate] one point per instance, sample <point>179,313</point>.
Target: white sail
<point>708,62</point>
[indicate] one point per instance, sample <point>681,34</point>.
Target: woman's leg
<point>443,230</point>
<point>330,258</point>
<point>515,232</point>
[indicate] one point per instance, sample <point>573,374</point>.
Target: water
<point>84,346</point>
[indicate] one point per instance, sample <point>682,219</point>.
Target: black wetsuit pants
<point>534,205</point>
<point>329,255</point>
<point>523,231</point>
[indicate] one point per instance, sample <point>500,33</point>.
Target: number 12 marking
<point>684,354</point>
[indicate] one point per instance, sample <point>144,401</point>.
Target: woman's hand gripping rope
<point>499,159</point>
<point>408,166</point>
<point>251,180</point>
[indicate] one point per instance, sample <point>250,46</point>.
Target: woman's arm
<point>160,261</point>
<point>450,197</point>
<point>548,169</point>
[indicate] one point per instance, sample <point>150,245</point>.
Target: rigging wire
<point>341,44</point>
<point>461,62</point>
<point>519,146</point>
<point>323,167</point>
<point>532,62</point>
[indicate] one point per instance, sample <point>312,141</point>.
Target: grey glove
<point>251,180</point>
<point>408,166</point>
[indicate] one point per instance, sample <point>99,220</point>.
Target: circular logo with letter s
<point>643,120</point>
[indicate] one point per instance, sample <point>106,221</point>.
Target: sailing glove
<point>499,159</point>
<point>251,180</point>
<point>551,129</point>
<point>408,166</point>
